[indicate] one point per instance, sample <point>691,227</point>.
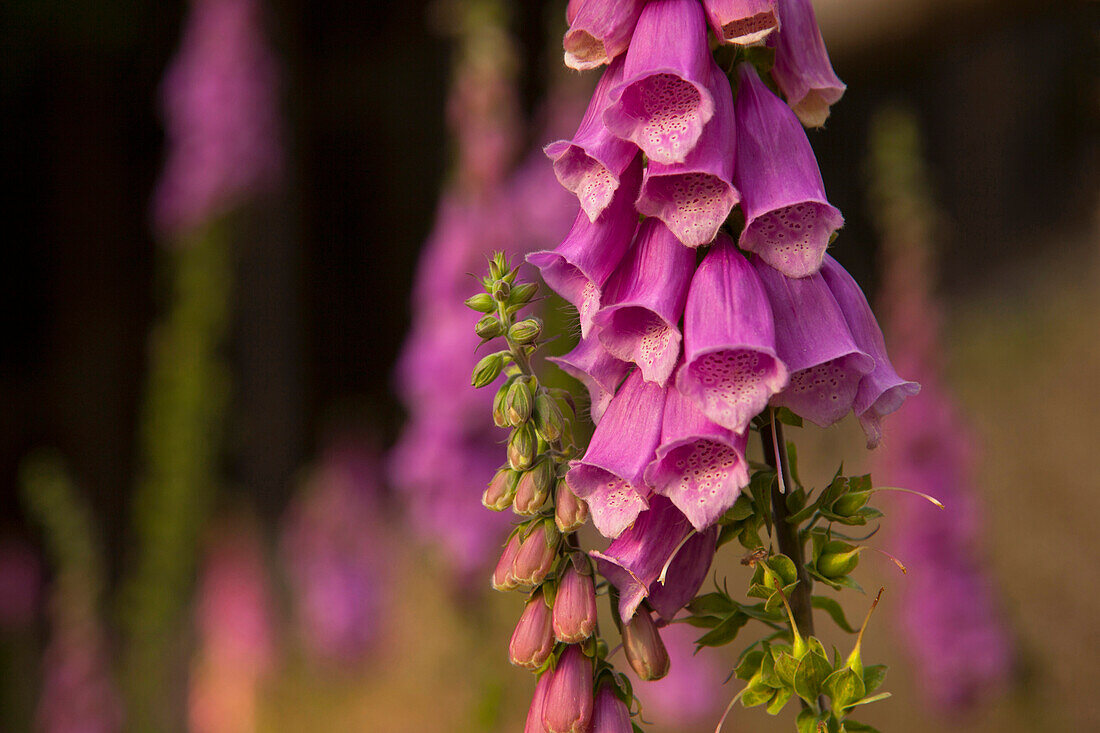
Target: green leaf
<point>871,699</point>
<point>741,510</point>
<point>712,604</point>
<point>785,416</point>
<point>702,622</point>
<point>761,488</point>
<point>873,677</point>
<point>836,613</point>
<point>724,632</point>
<point>792,461</point>
<point>810,673</point>
<point>851,726</point>
<point>779,700</point>
<point>843,687</point>
<point>750,537</point>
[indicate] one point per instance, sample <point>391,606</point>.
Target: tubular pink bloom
<point>802,68</point>
<point>581,264</point>
<point>594,367</point>
<point>590,164</point>
<point>814,341</point>
<point>882,391</point>
<point>633,563</point>
<point>609,477</point>
<point>534,722</point>
<point>743,22</point>
<point>610,714</point>
<point>730,369</point>
<point>599,30</point>
<point>568,706</point>
<point>700,466</point>
<point>575,607</point>
<point>503,579</point>
<point>644,649</point>
<point>663,102</point>
<point>532,640</point>
<point>788,220</point>
<point>643,302</point>
<point>694,197</point>
<point>536,555</point>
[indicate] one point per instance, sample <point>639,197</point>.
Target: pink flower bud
<point>568,706</point>
<point>532,641</point>
<point>610,714</point>
<point>536,555</point>
<point>575,607</point>
<point>503,579</point>
<point>538,702</point>
<point>644,649</point>
<point>570,512</point>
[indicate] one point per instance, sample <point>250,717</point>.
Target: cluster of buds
<point>556,636</point>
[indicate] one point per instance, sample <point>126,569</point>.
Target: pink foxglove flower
<point>730,369</point>
<point>578,268</point>
<point>593,366</point>
<point>695,196</point>
<point>534,722</point>
<point>743,22</point>
<point>813,340</point>
<point>574,614</point>
<point>20,584</point>
<point>533,639</point>
<point>609,477</point>
<point>882,391</point>
<point>591,163</point>
<point>643,301</point>
<point>610,714</point>
<point>633,562</point>
<point>664,100</point>
<point>700,466</point>
<point>568,704</point>
<point>788,220</point>
<point>644,648</point>
<point>802,67</point>
<point>599,30</point>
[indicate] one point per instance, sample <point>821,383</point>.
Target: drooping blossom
<point>221,110</point>
<point>599,30</point>
<point>593,366</point>
<point>788,219</point>
<point>743,22</point>
<point>334,547</point>
<point>234,627</point>
<point>802,69</point>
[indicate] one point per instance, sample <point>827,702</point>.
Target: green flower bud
<point>487,370</point>
<point>851,503</point>
<point>498,265</point>
<point>518,402</point>
<point>521,294</point>
<point>533,489</point>
<point>838,559</point>
<point>498,496</point>
<point>499,418</point>
<point>489,327</point>
<point>548,419</point>
<point>521,448</point>
<point>525,331</point>
<point>501,289</point>
<point>482,303</point>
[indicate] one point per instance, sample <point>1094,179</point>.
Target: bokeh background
<point>292,586</point>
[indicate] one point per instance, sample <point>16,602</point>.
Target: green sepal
<point>749,665</point>
<point>786,666</point>
<point>836,613</point>
<point>871,699</point>
<point>757,693</point>
<point>873,677</point>
<point>810,673</point>
<point>488,369</point>
<point>521,294</point>
<point>807,721</point>
<point>481,302</point>
<point>851,726</point>
<point>843,687</point>
<point>779,700</point>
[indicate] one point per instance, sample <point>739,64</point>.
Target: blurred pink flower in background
<point>20,584</point>
<point>692,693</point>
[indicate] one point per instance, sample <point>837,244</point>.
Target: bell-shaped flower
<point>643,301</point>
<point>591,163</point>
<point>536,555</point>
<point>610,714</point>
<point>643,647</point>
<point>574,617</point>
<point>578,268</point>
<point>633,563</point>
<point>813,340</point>
<point>593,366</point>
<point>534,722</point>
<point>788,220</point>
<point>568,705</point>
<point>533,640</point>
<point>700,466</point>
<point>599,30</point>
<point>882,391</point>
<point>802,67</point>
<point>663,102</point>
<point>743,22</point>
<point>609,477</point>
<point>730,368</point>
<point>694,197</point>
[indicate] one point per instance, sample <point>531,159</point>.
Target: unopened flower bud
<point>548,419</point>
<point>643,646</point>
<point>568,706</point>
<point>519,402</point>
<point>522,293</point>
<point>570,511</point>
<point>532,641</point>
<point>502,489</point>
<point>522,447</point>
<point>503,579</point>
<point>536,555</point>
<point>837,559</point>
<point>501,289</point>
<point>525,331</point>
<point>575,607</point>
<point>499,418</point>
<point>487,370</point>
<point>533,488</point>
<point>482,303</point>
<point>851,503</point>
<point>498,265</point>
<point>489,327</point>
<point>538,703</point>
<point>610,714</point>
